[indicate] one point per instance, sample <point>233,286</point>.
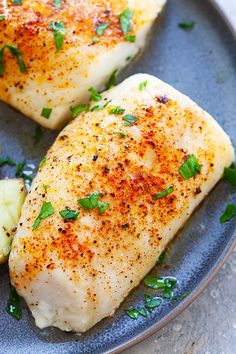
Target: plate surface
<point>200,63</point>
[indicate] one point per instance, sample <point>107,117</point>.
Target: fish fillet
<point>58,79</point>
<point>73,273</point>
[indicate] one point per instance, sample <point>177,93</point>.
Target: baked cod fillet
<point>111,168</point>
<point>65,47</point>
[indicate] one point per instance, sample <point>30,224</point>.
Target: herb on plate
<point>7,161</point>
<point>164,193</point>
<point>59,30</point>
<point>129,120</point>
<point>117,110</point>
<point>126,24</point>
<point>230,175</point>
<point>190,167</point>
<point>112,80</point>
<point>69,214</point>
<point>93,202</point>
<point>100,29</point>
<point>46,211</point>
<point>95,96</point>
<point>38,133</point>
<point>143,85</point>
<point>134,313</point>
<point>15,53</point>
<point>187,26</point>
<point>57,3</point>
<point>13,307</point>
<point>75,111</point>
<point>228,214</point>
<point>46,112</point>
<point>152,302</point>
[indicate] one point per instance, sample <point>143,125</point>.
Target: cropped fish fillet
<point>59,80</point>
<point>72,274</point>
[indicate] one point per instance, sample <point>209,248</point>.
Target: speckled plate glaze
<point>200,63</point>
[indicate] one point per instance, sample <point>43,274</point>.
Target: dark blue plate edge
<point>208,277</point>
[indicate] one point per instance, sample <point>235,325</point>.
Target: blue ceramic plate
<point>200,63</point>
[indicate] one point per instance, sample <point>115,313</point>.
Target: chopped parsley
<point>230,175</point>
<point>126,24</point>
<point>129,119</point>
<point>17,2</point>
<point>152,302</point>
<point>100,29</point>
<point>167,284</point>
<point>117,110</point>
<point>7,161</point>
<point>57,3</point>
<point>134,313</point>
<point>100,107</point>
<point>46,211</point>
<point>95,39</point>
<point>59,30</point>
<point>187,25</point>
<point>46,112</point>
<point>112,80</point>
<point>45,187</point>
<point>13,307</point>
<point>143,85</point>
<point>69,214</point>
<point>93,202</point>
<point>17,54</point>
<point>161,258</point>
<point>95,96</point>
<point>75,111</point>
<point>164,193</point>
<point>122,135</point>
<point>38,133</point>
<point>228,214</point>
<point>2,17</point>
<point>42,162</point>
<point>19,168</point>
<point>190,167</point>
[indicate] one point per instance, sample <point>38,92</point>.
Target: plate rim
<point>212,272</point>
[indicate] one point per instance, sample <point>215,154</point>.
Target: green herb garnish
<point>57,3</point>
<point>59,30</point>
<point>134,313</point>
<point>142,85</point>
<point>42,162</point>
<point>186,25</point>
<point>19,167</point>
<point>117,110</point>
<point>13,307</point>
<point>17,54</point>
<point>154,282</point>
<point>38,133</point>
<point>93,202</point>
<point>69,214</point>
<point>152,302</point>
<point>95,96</point>
<point>75,111</point>
<point>46,112</point>
<point>129,119</point>
<point>112,80</point>
<point>126,24</point>
<point>95,39</point>
<point>100,29</point>
<point>161,258</point>
<point>2,17</point>
<point>46,211</point>
<point>7,161</point>
<point>17,2</point>
<point>100,107</point>
<point>164,193</point>
<point>230,175</point>
<point>122,135</point>
<point>190,167</point>
<point>45,187</point>
<point>228,214</point>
